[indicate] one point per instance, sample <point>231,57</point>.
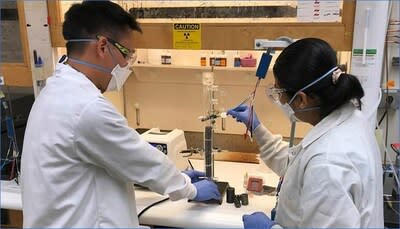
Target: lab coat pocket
<point>289,196</point>
<point>288,208</point>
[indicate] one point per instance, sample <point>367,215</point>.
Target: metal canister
<point>230,194</point>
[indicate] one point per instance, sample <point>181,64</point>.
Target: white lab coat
<point>80,158</point>
<point>332,178</point>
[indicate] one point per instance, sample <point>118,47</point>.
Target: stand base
<point>222,186</point>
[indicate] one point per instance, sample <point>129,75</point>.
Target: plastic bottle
<point>217,60</point>
<point>166,57</point>
<point>222,62</point>
<point>236,60</point>
<point>203,60</point>
<point>163,57</point>
<point>212,59</point>
<point>245,178</point>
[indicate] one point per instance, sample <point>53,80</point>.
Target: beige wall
<point>117,99</point>
<point>173,98</point>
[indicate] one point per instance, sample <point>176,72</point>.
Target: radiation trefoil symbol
<point>186,35</point>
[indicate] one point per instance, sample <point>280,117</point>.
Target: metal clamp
<point>280,42</point>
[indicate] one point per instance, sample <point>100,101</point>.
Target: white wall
<point>372,74</point>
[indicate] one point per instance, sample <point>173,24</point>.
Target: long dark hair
<point>307,59</point>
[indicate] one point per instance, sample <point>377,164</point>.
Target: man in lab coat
<point>80,158</point>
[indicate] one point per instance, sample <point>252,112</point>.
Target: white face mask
<point>288,110</point>
<point>118,77</point>
<point>118,74</point>
<point>290,113</point>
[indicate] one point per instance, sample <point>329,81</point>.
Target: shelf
<point>391,91</point>
<point>203,68</point>
<point>240,76</point>
<point>231,35</point>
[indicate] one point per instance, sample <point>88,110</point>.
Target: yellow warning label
<point>187,36</point>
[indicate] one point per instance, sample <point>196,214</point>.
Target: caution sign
<point>187,36</point>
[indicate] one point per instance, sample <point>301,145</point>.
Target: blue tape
<point>10,128</point>
<point>1,122</point>
<point>263,66</point>
<point>273,213</point>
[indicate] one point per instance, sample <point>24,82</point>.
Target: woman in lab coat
<point>80,158</point>
<point>333,177</point>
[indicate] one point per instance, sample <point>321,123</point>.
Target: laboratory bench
<point>183,213</point>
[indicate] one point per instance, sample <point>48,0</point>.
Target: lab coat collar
<point>332,120</point>
<point>63,70</point>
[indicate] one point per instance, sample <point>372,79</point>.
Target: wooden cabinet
<point>11,218</point>
<point>172,96</point>
<point>233,35</point>
<point>15,63</point>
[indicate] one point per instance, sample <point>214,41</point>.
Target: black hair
<point>304,61</point>
<point>91,18</point>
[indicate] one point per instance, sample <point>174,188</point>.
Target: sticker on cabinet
<point>187,36</point>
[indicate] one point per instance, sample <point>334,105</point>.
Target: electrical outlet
<point>391,98</point>
<point>395,61</point>
<point>388,179</point>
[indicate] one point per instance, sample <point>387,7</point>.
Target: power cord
<point>151,205</point>
<point>390,205</point>
<point>389,100</point>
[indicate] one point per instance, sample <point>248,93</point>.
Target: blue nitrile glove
<point>242,113</point>
<point>206,190</point>
<point>194,175</point>
<point>257,220</point>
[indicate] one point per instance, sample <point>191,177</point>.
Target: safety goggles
<point>129,55</point>
<point>274,93</point>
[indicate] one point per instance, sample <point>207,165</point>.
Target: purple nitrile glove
<point>242,114</point>
<point>257,220</point>
<point>194,175</point>
<point>206,190</point>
